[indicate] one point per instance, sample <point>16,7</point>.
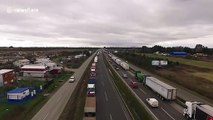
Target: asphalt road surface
<point>56,104</point>
<point>109,103</point>
<point>167,110</point>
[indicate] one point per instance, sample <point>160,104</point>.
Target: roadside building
<point>18,93</point>
<point>34,70</point>
<point>181,54</point>
<point>7,77</point>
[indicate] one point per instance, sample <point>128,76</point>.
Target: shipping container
<point>166,91</point>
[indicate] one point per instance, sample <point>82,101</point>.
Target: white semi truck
<point>166,91</point>
<point>198,111</point>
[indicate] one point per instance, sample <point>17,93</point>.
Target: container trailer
<point>90,107</point>
<point>166,91</point>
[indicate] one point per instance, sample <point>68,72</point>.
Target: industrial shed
<point>18,93</point>
<point>182,54</point>
<point>34,70</point>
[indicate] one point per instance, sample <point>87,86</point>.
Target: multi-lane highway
<point>56,104</point>
<point>167,110</point>
<point>109,103</point>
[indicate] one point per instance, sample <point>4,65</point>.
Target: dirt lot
<point>194,78</point>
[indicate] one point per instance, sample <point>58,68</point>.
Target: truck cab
<point>198,111</point>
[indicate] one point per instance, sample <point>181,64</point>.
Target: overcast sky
<point>78,23</point>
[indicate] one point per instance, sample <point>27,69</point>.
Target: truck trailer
<point>166,91</point>
<point>90,108</point>
<point>198,111</point>
<point>124,65</point>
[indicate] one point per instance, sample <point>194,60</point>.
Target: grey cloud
<point>109,22</point>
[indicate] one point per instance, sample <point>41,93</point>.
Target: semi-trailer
<point>124,65</point>
<point>164,90</point>
<point>198,111</point>
<point>90,108</point>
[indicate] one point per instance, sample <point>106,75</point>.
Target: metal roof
<point>33,66</point>
<point>2,71</point>
<point>18,90</point>
<point>160,83</point>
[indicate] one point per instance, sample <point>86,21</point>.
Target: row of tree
<point>144,49</point>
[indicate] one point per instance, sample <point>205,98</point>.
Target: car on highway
<point>152,102</point>
<point>72,79</point>
<point>91,92</point>
<point>133,84</point>
<point>117,68</point>
<point>92,74</point>
<point>124,75</point>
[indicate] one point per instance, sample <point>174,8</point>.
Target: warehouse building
<point>34,70</point>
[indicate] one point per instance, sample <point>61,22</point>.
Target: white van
<point>152,102</point>
<point>72,79</point>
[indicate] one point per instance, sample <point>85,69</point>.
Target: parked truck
<point>139,76</point>
<point>197,111</point>
<point>124,65</point>
<point>164,90</point>
<point>96,59</point>
<point>90,108</point>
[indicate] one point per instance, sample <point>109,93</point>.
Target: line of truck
<point>192,110</point>
<point>90,103</point>
<point>164,90</point>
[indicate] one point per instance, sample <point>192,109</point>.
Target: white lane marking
<point>106,96</point>
<point>123,111</point>
<point>102,83</point>
<point>45,116</point>
<point>167,113</point>
<point>110,116</point>
<point>142,90</point>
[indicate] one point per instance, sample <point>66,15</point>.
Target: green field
<point>196,63</point>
